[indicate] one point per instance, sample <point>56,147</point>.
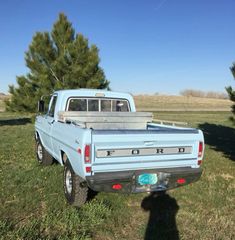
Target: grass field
<point>33,204</point>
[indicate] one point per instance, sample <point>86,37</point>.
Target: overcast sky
<point>149,46</point>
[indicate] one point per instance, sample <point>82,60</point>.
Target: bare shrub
<point>203,94</point>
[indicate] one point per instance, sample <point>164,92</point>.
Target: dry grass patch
<point>2,106</point>
<point>3,97</point>
<point>180,103</point>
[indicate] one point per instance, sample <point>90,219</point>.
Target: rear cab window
<point>77,105</point>
<point>93,105</point>
<point>98,105</point>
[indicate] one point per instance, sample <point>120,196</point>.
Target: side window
<point>77,105</point>
<point>52,107</point>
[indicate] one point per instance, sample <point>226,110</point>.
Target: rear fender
<point>74,160</point>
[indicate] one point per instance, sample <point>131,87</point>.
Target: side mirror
<point>41,107</point>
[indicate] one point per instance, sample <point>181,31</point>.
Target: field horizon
<point>171,103</point>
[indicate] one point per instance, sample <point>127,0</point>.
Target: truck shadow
<point>15,121</point>
<point>220,138</point>
<point>162,217</point>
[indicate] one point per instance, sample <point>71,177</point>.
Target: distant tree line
<point>203,94</point>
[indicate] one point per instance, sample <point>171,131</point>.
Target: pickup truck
<point>105,145</point>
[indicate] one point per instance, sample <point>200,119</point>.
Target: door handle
<point>51,122</point>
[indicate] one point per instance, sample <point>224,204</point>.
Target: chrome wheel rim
<point>39,151</point>
<point>68,181</point>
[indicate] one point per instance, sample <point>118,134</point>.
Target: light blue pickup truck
<point>105,145</point>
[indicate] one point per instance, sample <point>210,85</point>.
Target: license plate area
<point>147,179</point>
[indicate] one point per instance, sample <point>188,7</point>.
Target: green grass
<point>33,204</point>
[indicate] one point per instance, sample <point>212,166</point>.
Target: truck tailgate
<point>120,150</point>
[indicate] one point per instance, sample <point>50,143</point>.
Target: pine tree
<point>57,60</point>
<point>231,91</point>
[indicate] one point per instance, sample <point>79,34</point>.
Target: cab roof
<point>92,93</point>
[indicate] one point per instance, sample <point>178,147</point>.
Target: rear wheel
<point>76,192</point>
<point>43,157</point>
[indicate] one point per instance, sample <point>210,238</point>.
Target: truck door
<point>48,124</point>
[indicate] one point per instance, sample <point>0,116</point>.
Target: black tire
<point>43,157</point>
<point>76,191</point>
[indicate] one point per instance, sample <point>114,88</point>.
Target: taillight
<point>181,181</point>
<point>117,186</point>
<point>88,169</point>
<point>87,154</point>
<point>200,149</point>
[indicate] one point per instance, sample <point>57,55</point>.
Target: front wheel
<point>76,192</point>
<point>43,157</point>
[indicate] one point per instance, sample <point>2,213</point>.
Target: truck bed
<point>108,120</point>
